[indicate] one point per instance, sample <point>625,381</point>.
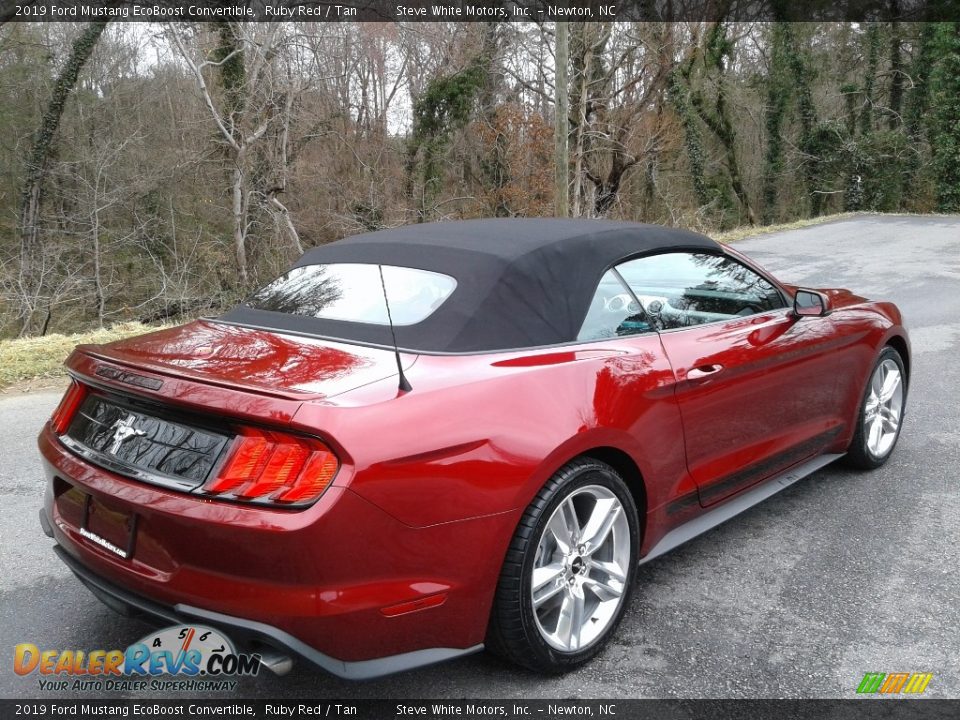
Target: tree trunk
<point>36,169</point>
<point>692,139</point>
<point>240,219</point>
<point>494,166</point>
<point>945,90</point>
<point>582,63</point>
<point>728,137</point>
<point>43,140</point>
<point>288,223</point>
<point>896,75</point>
<point>607,191</point>
<point>809,119</point>
<point>778,96</point>
<point>873,58</point>
<point>562,125</point>
<point>95,237</point>
<point>718,119</point>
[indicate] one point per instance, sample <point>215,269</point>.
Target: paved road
<point>840,574</point>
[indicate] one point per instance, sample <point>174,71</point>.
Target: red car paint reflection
<point>403,551</point>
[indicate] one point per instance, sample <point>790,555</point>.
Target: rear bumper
<point>323,583</point>
<point>248,633</point>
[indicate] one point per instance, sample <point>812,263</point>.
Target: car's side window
<point>680,289</point>
<point>613,312</point>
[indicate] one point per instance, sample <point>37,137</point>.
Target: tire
<point>871,447</point>
<point>592,573</point>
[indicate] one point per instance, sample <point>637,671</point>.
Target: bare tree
<point>36,169</point>
<point>244,113</point>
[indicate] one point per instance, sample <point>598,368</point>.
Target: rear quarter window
<point>353,292</point>
<point>613,312</point>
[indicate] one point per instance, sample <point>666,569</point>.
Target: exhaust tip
<point>276,662</point>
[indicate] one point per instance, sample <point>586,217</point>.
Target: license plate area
<point>109,527</point>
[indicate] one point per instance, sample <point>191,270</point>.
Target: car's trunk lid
<point>251,359</point>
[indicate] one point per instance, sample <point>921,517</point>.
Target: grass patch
<point>745,231</point>
<point>42,357</point>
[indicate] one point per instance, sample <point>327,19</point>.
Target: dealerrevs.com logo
<point>200,658</point>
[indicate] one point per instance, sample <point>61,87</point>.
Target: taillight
<point>269,466</point>
<point>67,408</point>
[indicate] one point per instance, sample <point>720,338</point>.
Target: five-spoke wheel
<point>881,413</point>
<point>568,573</point>
<point>580,570</point>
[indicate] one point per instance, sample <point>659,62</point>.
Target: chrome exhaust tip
<point>276,662</point>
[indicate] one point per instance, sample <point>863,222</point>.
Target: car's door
<point>634,388</point>
<point>755,385</point>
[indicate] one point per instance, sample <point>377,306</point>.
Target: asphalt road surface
<point>841,574</point>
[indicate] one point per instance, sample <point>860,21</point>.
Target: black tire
<point>513,632</point>
<point>859,454</point>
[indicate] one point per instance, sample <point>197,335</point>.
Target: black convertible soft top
<point>520,282</point>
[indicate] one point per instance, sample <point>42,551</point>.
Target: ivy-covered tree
<point>43,140</point>
<point>779,90</point>
<point>446,105</point>
<point>916,107</point>
<point>945,101</point>
<point>692,138</point>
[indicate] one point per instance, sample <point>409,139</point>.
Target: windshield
<point>352,292</point>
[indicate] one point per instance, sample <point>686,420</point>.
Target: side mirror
<point>810,303</point>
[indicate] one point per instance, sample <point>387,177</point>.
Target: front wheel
<point>569,570</point>
<point>881,413</point>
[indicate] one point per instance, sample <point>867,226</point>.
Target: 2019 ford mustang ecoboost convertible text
<point>422,441</point>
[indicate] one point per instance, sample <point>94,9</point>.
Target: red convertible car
<point>422,441</point>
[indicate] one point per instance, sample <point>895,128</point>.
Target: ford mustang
<point>423,441</point>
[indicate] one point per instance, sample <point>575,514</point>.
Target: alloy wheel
<point>580,570</point>
<point>883,410</point>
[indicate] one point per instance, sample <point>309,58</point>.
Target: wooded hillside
<point>149,172</point>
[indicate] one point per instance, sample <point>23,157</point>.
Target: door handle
<point>703,372</point>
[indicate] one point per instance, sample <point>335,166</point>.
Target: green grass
<point>42,357</point>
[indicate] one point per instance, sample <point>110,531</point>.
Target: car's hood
<point>259,360</point>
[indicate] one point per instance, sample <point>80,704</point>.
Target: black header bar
<point>477,10</point>
<point>854,709</point>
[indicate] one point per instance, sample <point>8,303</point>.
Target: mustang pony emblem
<point>123,430</point>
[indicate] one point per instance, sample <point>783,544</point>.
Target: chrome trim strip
<point>736,505</point>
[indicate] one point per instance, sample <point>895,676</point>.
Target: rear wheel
<point>881,413</point>
<point>568,573</point>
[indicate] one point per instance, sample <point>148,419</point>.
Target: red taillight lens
<point>251,451</point>
<point>318,472</point>
<point>285,465</point>
<point>275,467</point>
<point>68,407</point>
